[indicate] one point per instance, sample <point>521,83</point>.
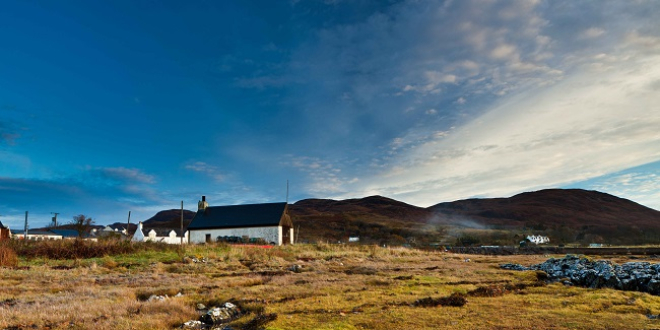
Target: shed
<point>268,221</point>
<point>5,233</point>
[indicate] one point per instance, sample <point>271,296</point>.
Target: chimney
<point>202,205</point>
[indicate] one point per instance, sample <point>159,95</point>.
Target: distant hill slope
<point>569,207</point>
<point>170,219</point>
<point>568,215</point>
<point>375,219</point>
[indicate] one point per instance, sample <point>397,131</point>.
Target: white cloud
<point>592,32</point>
<point>127,174</point>
<point>589,125</point>
<point>207,169</point>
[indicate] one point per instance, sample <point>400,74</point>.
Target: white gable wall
<point>269,234</point>
<point>172,238</point>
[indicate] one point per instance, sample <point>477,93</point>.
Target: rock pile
<point>582,271</point>
<point>215,317</point>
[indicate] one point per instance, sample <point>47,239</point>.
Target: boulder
<point>582,271</point>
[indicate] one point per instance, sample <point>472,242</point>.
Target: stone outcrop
<point>584,272</point>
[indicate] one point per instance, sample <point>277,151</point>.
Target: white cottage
<point>270,222</point>
<point>169,236</point>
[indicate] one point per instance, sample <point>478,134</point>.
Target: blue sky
<point>135,106</point>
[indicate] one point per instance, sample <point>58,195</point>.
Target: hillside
<point>566,215</point>
<point>374,219</point>
<point>570,207</point>
<point>169,219</point>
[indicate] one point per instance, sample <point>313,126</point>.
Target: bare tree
<point>82,224</point>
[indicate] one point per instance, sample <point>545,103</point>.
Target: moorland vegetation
<point>111,285</point>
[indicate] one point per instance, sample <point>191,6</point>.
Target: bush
<point>82,249</point>
<point>8,257</point>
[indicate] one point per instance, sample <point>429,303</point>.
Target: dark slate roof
<point>32,232</point>
<point>1,225</point>
<point>66,232</point>
<point>236,216</point>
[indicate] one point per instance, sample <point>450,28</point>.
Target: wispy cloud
<point>548,106</point>
<point>207,169</point>
<point>8,133</point>
<point>323,177</point>
<point>126,174</point>
<point>586,126</point>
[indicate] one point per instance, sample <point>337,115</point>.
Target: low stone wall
<point>584,272</point>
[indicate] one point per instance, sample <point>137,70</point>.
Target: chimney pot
<point>203,198</point>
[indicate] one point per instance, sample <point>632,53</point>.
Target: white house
<point>169,236</point>
<point>270,222</point>
<point>538,239</point>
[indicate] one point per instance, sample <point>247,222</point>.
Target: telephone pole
<point>182,224</point>
<point>54,219</point>
<point>128,225</point>
<point>25,233</point>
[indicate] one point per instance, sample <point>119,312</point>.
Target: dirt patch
<point>361,270</point>
<point>455,300</point>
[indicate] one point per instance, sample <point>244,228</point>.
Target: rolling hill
<point>566,215</point>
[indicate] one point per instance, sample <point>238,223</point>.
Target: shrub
<point>82,249</point>
<point>8,257</point>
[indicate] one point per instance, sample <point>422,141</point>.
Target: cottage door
<point>286,235</point>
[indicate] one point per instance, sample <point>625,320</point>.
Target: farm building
<point>5,233</point>
<point>37,235</point>
<point>169,236</point>
<point>269,222</point>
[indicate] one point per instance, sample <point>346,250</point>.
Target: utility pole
<point>54,219</point>
<point>287,191</point>
<point>181,224</point>
<point>25,233</point>
<point>128,224</point>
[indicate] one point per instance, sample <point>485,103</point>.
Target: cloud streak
<point>483,98</point>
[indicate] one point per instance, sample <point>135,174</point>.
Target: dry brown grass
<point>342,288</point>
<point>8,257</point>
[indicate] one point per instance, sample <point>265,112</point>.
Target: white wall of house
<point>269,234</point>
<point>139,235</point>
<point>38,237</point>
<point>172,238</point>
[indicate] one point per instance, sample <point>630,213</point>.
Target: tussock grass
<point>110,291</point>
<point>8,257</point>
<point>82,249</point>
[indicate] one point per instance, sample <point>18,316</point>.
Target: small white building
<point>538,239</point>
<point>169,236</point>
<point>269,222</point>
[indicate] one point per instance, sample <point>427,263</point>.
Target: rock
<point>154,297</point>
<point>296,268</point>
<point>192,324</point>
<point>581,271</point>
<point>514,267</point>
<point>201,307</point>
<point>222,314</point>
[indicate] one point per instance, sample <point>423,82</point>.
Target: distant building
<point>538,239</point>
<point>354,239</point>
<point>5,233</point>
<point>270,222</point>
<point>65,233</point>
<point>169,236</point>
<point>36,235</point>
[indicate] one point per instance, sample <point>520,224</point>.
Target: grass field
<point>332,287</point>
